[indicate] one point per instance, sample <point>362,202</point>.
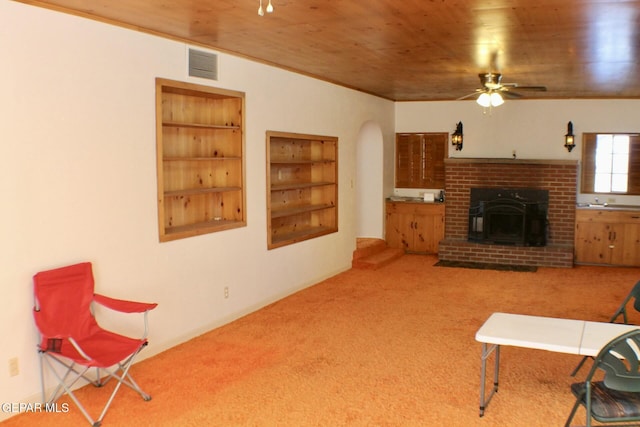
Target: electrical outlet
<point>226,292</point>
<point>14,367</point>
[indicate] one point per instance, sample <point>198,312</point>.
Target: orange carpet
<point>387,347</point>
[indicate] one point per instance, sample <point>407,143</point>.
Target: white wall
<point>534,129</point>
<point>78,180</point>
<point>370,182</point>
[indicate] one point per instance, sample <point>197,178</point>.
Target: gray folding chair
<point>616,398</point>
<point>634,295</point>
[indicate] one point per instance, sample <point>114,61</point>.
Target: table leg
<point>486,352</point>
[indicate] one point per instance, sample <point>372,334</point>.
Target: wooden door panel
<point>628,238</point>
<point>592,243</point>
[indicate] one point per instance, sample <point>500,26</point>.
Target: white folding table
<point>542,333</point>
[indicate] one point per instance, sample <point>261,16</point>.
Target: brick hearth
<point>557,176</point>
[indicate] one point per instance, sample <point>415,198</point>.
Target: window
<point>420,159</point>
<point>611,163</point>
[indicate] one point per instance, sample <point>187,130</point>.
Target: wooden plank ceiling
<point>409,50</point>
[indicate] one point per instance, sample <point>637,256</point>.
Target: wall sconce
<point>569,138</point>
<point>456,137</point>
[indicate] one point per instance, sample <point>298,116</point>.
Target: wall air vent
<point>203,64</point>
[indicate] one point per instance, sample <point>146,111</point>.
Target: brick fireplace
<point>558,177</point>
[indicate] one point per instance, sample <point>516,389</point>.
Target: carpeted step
<point>378,259</point>
<point>366,247</point>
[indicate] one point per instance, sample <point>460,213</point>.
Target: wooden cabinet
<point>200,159</point>
<point>414,227</point>
<point>420,159</point>
<point>302,187</point>
<point>607,237</point>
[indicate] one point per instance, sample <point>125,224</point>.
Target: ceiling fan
<point>492,91</point>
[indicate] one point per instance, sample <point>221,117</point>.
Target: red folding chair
<point>71,336</point>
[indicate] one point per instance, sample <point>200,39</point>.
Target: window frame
<point>588,170</point>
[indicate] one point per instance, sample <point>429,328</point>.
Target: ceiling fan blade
<point>535,88</point>
<point>469,95</point>
<point>510,94</point>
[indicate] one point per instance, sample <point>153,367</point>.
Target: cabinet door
<point>436,225</point>
<point>399,230</point>
<point>627,245</point>
<point>428,230</point>
<point>422,233</point>
<point>592,242</point>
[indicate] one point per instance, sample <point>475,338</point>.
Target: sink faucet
<point>597,201</point>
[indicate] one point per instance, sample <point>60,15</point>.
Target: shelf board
<point>197,159</point>
<point>179,232</point>
<point>300,162</point>
<point>186,192</point>
<point>298,186</point>
<point>300,235</point>
<point>199,125</point>
<point>299,210</point>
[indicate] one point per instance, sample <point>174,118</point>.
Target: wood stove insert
<point>503,216</point>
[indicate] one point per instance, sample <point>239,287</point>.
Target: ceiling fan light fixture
<point>490,99</point>
<point>261,10</point>
<point>496,99</point>
<point>484,100</point>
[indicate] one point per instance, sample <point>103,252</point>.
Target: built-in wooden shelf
<point>295,211</point>
<point>296,186</point>
<point>189,191</point>
<point>199,125</point>
<point>289,238</point>
<point>302,187</point>
<point>200,159</point>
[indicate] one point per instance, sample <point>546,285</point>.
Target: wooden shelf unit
<point>302,187</point>
<point>200,159</point>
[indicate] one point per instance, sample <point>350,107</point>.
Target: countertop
<point>608,207</point>
<point>401,199</point>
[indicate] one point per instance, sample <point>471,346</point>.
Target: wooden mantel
<point>506,161</point>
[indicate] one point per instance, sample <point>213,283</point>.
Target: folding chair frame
<point>47,357</point>
<point>625,378</point>
<point>621,311</point>
<point>78,364</point>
